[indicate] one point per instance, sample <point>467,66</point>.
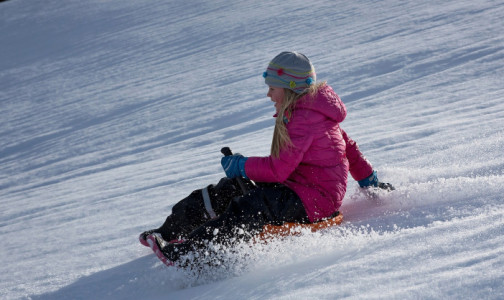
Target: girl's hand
<point>234,165</point>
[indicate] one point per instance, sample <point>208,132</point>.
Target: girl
<point>303,180</point>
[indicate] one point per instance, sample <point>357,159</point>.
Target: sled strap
<point>208,204</point>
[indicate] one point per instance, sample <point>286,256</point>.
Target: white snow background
<point>112,111</point>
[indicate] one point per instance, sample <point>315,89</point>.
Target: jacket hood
<point>325,102</point>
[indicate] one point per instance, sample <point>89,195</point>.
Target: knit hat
<point>291,70</point>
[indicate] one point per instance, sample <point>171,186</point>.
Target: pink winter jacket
<point>315,167</point>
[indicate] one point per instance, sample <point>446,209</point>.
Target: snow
<point>112,111</point>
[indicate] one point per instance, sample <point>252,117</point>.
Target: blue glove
<point>372,180</point>
<point>234,165</point>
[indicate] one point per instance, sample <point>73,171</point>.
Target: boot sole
<point>153,244</point>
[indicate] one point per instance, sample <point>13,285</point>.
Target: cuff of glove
<point>241,166</point>
<point>372,180</point>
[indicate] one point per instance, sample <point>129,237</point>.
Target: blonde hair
<point>281,138</point>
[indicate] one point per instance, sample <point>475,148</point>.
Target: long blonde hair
<point>281,138</point>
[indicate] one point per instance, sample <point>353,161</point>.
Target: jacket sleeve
<point>269,169</point>
<point>360,167</point>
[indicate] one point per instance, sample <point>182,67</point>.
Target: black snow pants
<point>221,212</point>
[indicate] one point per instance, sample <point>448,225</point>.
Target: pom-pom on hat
<point>291,70</point>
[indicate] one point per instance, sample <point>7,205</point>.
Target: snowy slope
<point>111,111</point>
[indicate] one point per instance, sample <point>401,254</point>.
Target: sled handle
<point>227,152</point>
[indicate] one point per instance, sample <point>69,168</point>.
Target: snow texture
<point>112,111</point>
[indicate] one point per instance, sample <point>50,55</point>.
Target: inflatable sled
<point>287,229</point>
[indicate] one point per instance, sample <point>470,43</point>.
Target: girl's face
<point>277,95</point>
